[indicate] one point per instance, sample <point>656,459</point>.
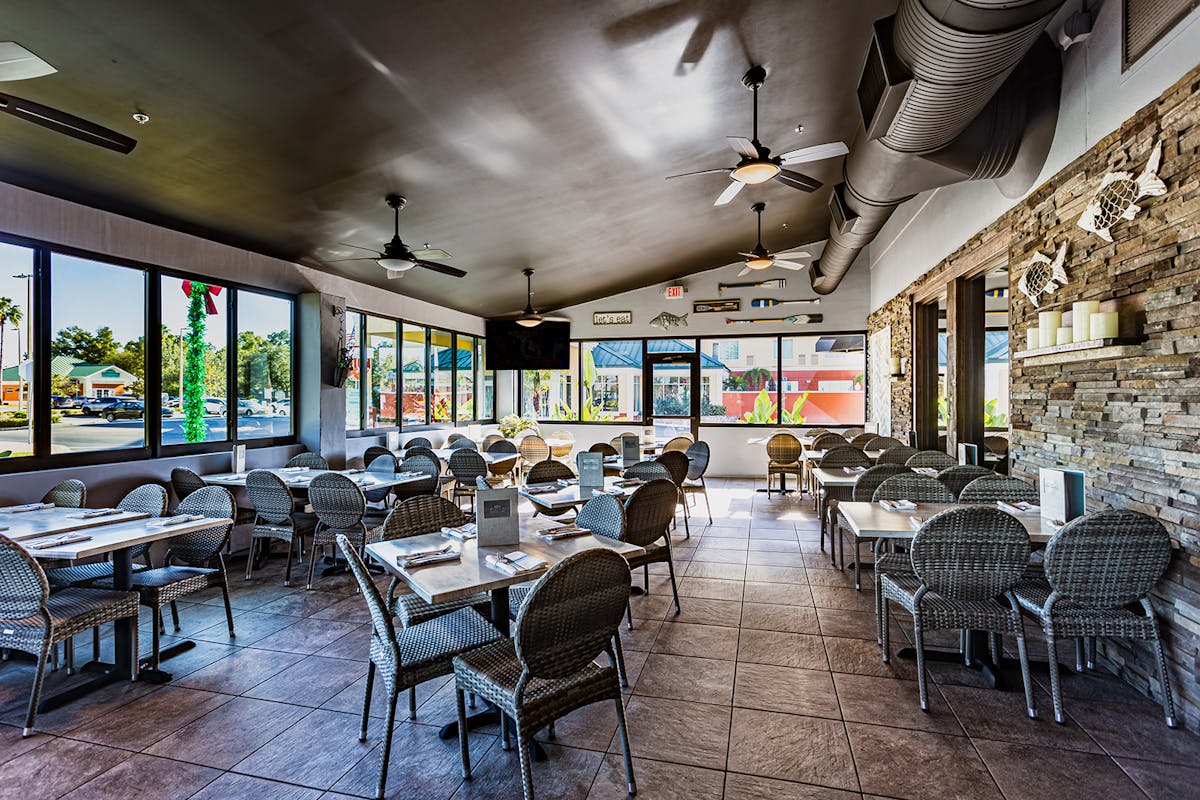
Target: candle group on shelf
<point>1088,323</point>
<point>1081,313</point>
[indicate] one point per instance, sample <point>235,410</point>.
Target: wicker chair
<point>1097,566</point>
<point>382,461</point>
<point>783,458</point>
<point>419,462</point>
<point>680,443</point>
<point>70,493</point>
<point>148,499</point>
<point>533,450</point>
<point>996,444</point>
<point>827,441</point>
<point>549,471</point>
<point>421,450</point>
<point>454,437</point>
<point>466,465</point>
<point>862,440</point>
<point>699,456</point>
<point>564,443</point>
<point>648,512</point>
<point>407,658</point>
<point>816,433</point>
<point>647,471</point>
<point>897,454</point>
<point>415,517</point>
<point>463,443</point>
<point>491,439</point>
<point>677,465</point>
<point>835,459</point>
<point>864,489</point>
<point>506,467</point>
<point>882,443</point>
<point>850,433</point>
<point>991,488</point>
<point>276,519</point>
<point>934,459</point>
<point>962,560</point>
<point>417,441</point>
<point>185,569</point>
<point>184,482</point>
<point>32,620</point>
<point>375,451</point>
<point>308,461</point>
<point>548,669</point>
<point>957,476</point>
<point>605,449</point>
<point>339,506</point>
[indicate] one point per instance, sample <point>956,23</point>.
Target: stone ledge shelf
<point>1093,349</point>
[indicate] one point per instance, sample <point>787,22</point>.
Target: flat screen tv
<point>513,346</point>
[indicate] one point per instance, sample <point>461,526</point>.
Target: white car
<point>214,405</point>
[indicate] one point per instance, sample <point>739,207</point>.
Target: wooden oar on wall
<point>798,319</point>
<point>769,302</point>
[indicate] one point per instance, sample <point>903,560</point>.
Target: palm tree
<point>9,312</point>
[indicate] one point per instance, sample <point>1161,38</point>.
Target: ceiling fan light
<point>395,264</point>
<point>759,263</point>
<point>755,172</point>
<point>529,322</point>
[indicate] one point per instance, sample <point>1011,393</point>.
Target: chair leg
<point>1168,702</point>
<point>1026,679</point>
<point>1055,687</point>
<point>505,733</point>
<point>526,764</point>
<point>386,751</point>
<point>156,619</point>
<point>922,678</point>
<point>362,733</point>
<point>312,564</point>
<point>225,595</point>
<point>412,702</point>
<point>1089,645</point>
<point>175,615</point>
<point>618,657</point>
<point>707,503</point>
<point>68,654</point>
<point>881,609</point>
<point>674,589</point>
<point>628,617</point>
<point>464,753</point>
<point>96,643</point>
<point>646,578</point>
<point>35,696</point>
<point>880,603</point>
<point>250,556</point>
<point>630,782</point>
<point>1079,654</point>
<point>287,570</point>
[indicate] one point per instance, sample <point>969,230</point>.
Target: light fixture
<point>141,118</point>
<point>759,263</point>
<point>395,264</point>
<point>529,322</point>
<point>754,172</point>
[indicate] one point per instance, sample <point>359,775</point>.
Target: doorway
<point>671,386</point>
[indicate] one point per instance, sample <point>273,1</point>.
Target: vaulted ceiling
<point>523,133</point>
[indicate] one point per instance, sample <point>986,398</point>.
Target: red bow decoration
<point>210,292</point>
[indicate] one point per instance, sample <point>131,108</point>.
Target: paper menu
<point>239,458</point>
<point>631,449</point>
<point>1063,494</point>
<point>496,517</point>
<point>591,470</point>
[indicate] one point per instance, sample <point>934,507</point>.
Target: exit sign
<point>674,292</point>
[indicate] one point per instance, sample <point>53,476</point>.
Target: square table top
<point>873,521</point>
<point>835,477</point>
<point>444,454</point>
<point>452,580</point>
<point>569,496</point>
<point>300,479</point>
<point>119,535</point>
<point>48,521</point>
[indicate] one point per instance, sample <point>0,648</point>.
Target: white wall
<point>1096,99</point>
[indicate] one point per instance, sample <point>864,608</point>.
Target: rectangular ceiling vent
<point>843,217</point>
<point>884,82</point>
<point>1145,22</point>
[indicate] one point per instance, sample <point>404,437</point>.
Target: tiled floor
<point>768,685</point>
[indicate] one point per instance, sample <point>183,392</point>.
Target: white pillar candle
<point>1048,324</point>
<point>1081,313</point>
<point>1063,336</point>
<point>1103,325</point>
<point>1032,338</point>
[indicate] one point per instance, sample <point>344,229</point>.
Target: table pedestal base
<point>984,665</point>
<point>490,715</point>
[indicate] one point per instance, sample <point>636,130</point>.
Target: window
<point>549,394</point>
<point>464,378</point>
<point>824,380</point>
<point>741,387</point>
<point>441,370</point>
<point>413,406</point>
<point>195,319</point>
<point>611,380</point>
<point>97,319</point>
<point>485,384</point>
<point>264,366</point>
<point>380,378</point>
<point>725,350</point>
<point>354,329</point>
<point>17,408</point>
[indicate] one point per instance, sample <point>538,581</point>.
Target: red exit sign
<point>675,292</point>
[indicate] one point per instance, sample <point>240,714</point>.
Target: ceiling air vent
<point>843,217</point>
<point>1145,22</point>
<point>883,83</point>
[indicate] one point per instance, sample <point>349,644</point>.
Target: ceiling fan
<point>530,318</point>
<point>762,258</point>
<point>757,165</point>
<point>396,258</point>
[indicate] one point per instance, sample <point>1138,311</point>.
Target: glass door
<point>672,396</point>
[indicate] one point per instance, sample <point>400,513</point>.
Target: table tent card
<point>239,458</point>
<point>1062,492</point>
<point>496,517</point>
<point>968,454</point>
<point>591,472</point>
<point>631,449</point>
<point>393,440</point>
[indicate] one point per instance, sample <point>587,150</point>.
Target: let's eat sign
<point>612,317</point>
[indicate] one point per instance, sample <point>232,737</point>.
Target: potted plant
<point>341,368</point>
<point>511,425</point>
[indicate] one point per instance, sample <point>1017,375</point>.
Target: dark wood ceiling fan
<point>397,258</point>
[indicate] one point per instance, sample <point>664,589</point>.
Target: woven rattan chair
<point>680,443</point>
<point>850,433</point>
<point>463,443</point>
<point>417,441</point>
<point>148,499</point>
<point>897,454</point>
<point>1097,567</point>
<point>421,450</point>
<point>991,488</point>
<point>549,471</point>
<point>647,471</point>
<point>502,446</point>
<point>934,459</point>
<point>564,443</point>
<point>490,440</point>
<point>276,519</point>
<point>415,517</point>
<point>835,459</point>
<point>504,468</point>
<point>375,451</point>
<point>605,449</point>
<point>428,485</point>
<point>815,433</point>
<point>996,444</point>
<point>882,443</point>
<point>864,489</point>
<point>408,657</point>
<point>454,437</point>
<point>827,441</point>
<point>466,465</point>
<point>783,458</point>
<point>648,512</point>
<point>962,560</point>
<point>32,620</point>
<point>185,568</point>
<point>70,493</point>
<point>699,455</point>
<point>184,482</point>
<point>384,463</point>
<point>533,450</point>
<point>339,506</point>
<point>308,461</point>
<point>677,465</point>
<point>860,441</point>
<point>548,669</point>
<point>958,476</point>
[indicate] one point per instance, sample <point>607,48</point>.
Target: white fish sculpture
<point>1043,276</point>
<point>666,321</point>
<point>1117,197</point>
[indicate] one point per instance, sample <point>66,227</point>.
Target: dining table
<point>300,478</point>
<point>562,498</point>
<point>832,484</point>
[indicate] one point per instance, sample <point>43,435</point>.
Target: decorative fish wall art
<point>1043,276</point>
<point>1117,196</point>
<point>798,319</point>
<point>666,321</point>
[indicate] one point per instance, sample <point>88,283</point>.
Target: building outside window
<point>441,372</point>
<point>413,407</point>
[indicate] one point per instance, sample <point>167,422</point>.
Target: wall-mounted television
<point>513,346</point>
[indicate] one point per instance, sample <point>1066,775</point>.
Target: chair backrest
<point>680,443</point>
<point>700,455</point>
<point>420,450</point>
<point>970,553</point>
<point>935,459</point>
<point>421,463</point>
<point>882,443</point>
<point>466,464</point>
<point>649,510</point>
<point>783,448</point>
<point>604,448</point>
<point>860,441</point>
<point>490,440</point>
<point>1107,559</point>
<point>70,493</point>
<point>996,444</point>
<point>197,548</point>
<point>383,631</point>
<point>677,464</point>
<point>572,614</point>
<point>827,441</point>
<point>427,513</point>
<point>958,476</point>
<point>337,501</point>
<point>184,482</point>
<point>647,471</point>
<point>533,449</point>
<point>375,451</point>
<point>897,454</point>
<point>915,487</point>
<point>454,437</point>
<point>850,433</point>
<point>816,433</point>
<point>308,461</point>
<point>548,471</point>
<point>23,584</point>
<point>417,441</point>
<point>992,487</point>
<point>463,443</point>
<point>502,445</point>
<point>149,498</point>
<point>270,496</point>
<point>603,515</point>
<point>866,483</point>
<point>844,456</point>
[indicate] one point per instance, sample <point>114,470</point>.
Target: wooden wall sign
<point>612,317</point>
<point>716,306</point>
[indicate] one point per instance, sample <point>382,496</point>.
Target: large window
<point>549,394</point>
<point>441,371</point>
<point>413,406</point>
<point>823,379</point>
<point>264,366</point>
<point>739,382</point>
<point>485,383</point>
<point>612,372</point>
<point>464,381</point>
<point>17,406</point>
<point>195,330</point>
<point>353,385</point>
<point>381,369</point>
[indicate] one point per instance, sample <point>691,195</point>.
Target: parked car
<point>70,402</point>
<point>281,408</point>
<point>214,405</point>
<point>250,408</point>
<point>130,409</point>
<point>93,406</point>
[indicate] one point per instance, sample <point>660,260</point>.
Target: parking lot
<point>75,432</point>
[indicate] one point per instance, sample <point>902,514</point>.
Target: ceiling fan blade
<point>797,180</point>
<point>742,146</point>
<point>71,125</point>
<point>794,254</point>
<point>445,269</point>
<point>554,318</point>
<point>745,271</point>
<point>338,260</point>
<point>700,172</point>
<point>357,247</point>
<point>730,192</point>
<point>787,264</point>
<point>747,255</point>
<point>435,253</point>
<point>818,152</point>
